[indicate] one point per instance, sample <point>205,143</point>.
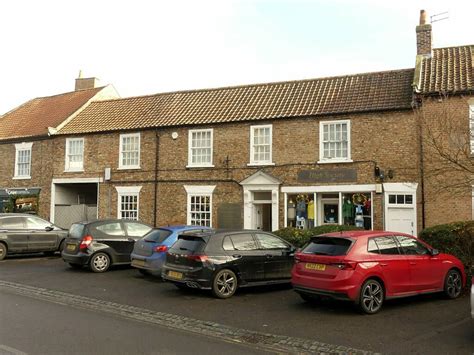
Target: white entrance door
<point>401,220</point>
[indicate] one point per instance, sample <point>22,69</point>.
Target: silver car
<point>26,233</point>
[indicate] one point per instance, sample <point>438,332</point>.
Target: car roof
<point>108,220</point>
<point>182,227</point>
<point>18,214</point>
<point>363,234</point>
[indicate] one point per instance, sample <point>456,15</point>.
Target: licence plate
<point>71,247</point>
<point>138,262</point>
<point>319,267</point>
<point>175,275</point>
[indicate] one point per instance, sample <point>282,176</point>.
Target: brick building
<point>338,150</point>
<point>298,153</point>
<point>444,89</point>
<point>26,146</point>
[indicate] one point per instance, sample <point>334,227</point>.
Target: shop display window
<point>357,210</point>
<point>308,210</point>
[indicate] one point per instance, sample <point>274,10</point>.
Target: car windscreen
<point>328,246</point>
<point>157,235</point>
<point>187,244</point>
<point>76,231</point>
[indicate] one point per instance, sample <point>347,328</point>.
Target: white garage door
<point>401,220</point>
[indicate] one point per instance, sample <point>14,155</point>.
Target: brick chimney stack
<point>423,36</point>
<point>85,83</point>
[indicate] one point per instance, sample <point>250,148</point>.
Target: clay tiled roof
<point>448,70</point>
<point>35,116</point>
<point>390,90</point>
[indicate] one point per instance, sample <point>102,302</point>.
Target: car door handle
<point>383,264</point>
<point>269,256</point>
<point>412,262</point>
<point>237,256</point>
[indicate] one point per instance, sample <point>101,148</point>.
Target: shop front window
<point>308,210</point>
<point>357,210</point>
<point>301,211</point>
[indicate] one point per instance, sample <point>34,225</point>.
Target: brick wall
<point>448,187</point>
<point>386,138</point>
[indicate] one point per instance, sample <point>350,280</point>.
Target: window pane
<point>391,199</point>
<point>243,242</point>
<point>200,210</point>
<point>270,242</point>
<point>408,199</point>
<point>387,246</point>
<point>111,228</point>
<point>400,199</point>
<point>411,246</point>
<point>372,246</point>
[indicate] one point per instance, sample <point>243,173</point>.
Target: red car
<point>368,267</point>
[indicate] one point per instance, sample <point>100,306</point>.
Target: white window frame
<point>132,166</point>
<point>252,148</point>
<point>127,191</point>
<point>200,191</point>
<point>322,159</point>
<point>67,163</point>
<point>22,147</point>
<point>190,149</point>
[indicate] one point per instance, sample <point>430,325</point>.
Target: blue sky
<point>144,47</point>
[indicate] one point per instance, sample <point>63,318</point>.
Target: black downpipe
<point>157,156</point>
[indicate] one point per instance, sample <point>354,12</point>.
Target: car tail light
<point>161,249</point>
<point>346,265</point>
<point>85,242</point>
<point>201,258</point>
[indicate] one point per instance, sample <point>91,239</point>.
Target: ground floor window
<point>128,202</point>
<point>199,205</point>
<point>307,210</point>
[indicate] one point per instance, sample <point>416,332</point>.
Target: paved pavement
<point>427,324</point>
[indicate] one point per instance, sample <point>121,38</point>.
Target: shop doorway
<point>263,216</point>
<point>329,208</point>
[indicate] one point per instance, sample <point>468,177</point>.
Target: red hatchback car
<point>368,267</point>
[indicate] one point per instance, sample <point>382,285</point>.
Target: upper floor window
<point>74,154</point>
<point>200,147</point>
<point>261,144</point>
<point>335,141</point>
<point>23,161</point>
<point>129,151</point>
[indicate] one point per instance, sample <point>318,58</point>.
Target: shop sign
<point>328,175</point>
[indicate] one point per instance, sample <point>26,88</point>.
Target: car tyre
<point>224,284</point>
<point>371,296</point>
<point>453,284</point>
<point>3,251</point>
<point>100,262</point>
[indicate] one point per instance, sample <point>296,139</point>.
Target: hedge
<point>299,237</point>
<point>454,238</point>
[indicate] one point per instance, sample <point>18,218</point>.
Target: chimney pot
<point>422,17</point>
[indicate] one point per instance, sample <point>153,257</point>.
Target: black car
<point>26,233</point>
<point>221,261</point>
<point>100,244</point>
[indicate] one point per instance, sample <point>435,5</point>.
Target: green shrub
<point>456,239</point>
<point>299,237</point>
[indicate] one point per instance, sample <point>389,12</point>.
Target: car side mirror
<point>48,228</point>
<point>434,252</point>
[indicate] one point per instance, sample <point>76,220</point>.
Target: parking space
<point>427,324</point>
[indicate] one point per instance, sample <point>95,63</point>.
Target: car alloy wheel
<point>453,284</point>
<point>100,262</point>
<point>371,296</point>
<point>224,284</point>
<point>3,251</point>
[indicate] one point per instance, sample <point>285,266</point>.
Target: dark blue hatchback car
<point>149,252</point>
